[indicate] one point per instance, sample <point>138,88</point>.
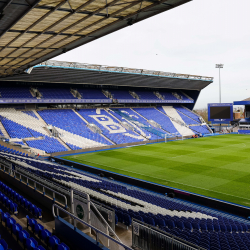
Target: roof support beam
<point>86,12</point>
<point>78,9</point>
<point>14,47</point>
<point>34,24</point>
<point>83,19</point>
<point>53,25</point>
<point>39,33</point>
<point>18,57</point>
<point>35,3</point>
<point>118,23</point>
<point>4,7</point>
<point>117,12</point>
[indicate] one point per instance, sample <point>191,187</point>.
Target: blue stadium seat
<point>53,242</point>
<point>40,248</point>
<point>45,235</point>
<point>23,236</point>
<point>3,244</point>
<point>31,243</point>
<point>63,246</point>
<point>16,228</point>
<point>31,223</point>
<point>38,229</point>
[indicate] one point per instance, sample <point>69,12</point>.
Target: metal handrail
<point>93,205</point>
<point>109,227</point>
<point>167,235</point>
<point>36,182</point>
<point>86,224</point>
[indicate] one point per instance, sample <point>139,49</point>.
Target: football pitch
<point>217,166</point>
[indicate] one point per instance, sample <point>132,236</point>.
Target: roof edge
<point>116,69</point>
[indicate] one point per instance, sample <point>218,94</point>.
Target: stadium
<point>109,157</point>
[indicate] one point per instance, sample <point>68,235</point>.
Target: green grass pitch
<point>217,166</point>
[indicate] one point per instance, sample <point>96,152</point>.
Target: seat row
<point>179,219</point>
<point>3,244</point>
<point>32,208</point>
<point>12,151</point>
<point>21,234</point>
<point>50,240</point>
<point>9,204</point>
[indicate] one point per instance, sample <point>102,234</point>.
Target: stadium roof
<point>80,73</point>
<point>243,102</point>
<point>33,31</point>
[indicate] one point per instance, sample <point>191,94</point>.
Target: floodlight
<point>219,66</point>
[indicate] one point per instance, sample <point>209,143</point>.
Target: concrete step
<point>40,118</point>
<point>63,143</point>
<point>81,116</point>
<point>5,133</point>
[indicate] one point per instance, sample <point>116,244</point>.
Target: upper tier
<point>80,94</point>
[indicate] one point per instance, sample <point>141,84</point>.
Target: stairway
<point>159,95</point>
<point>75,93</point>
<point>107,94</point>
<point>187,96</point>
<point>5,133</point>
<point>40,118</point>
<point>133,94</point>
<point>63,143</point>
<point>36,93</point>
<point>80,116</point>
<point>48,131</point>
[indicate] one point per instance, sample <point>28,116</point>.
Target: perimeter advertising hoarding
<point>220,112</point>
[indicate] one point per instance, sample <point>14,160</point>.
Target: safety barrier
<point>33,183</point>
<point>111,243</point>
<point>146,238</point>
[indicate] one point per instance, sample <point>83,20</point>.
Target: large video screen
<point>220,112</point>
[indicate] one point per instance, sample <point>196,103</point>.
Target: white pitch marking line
<point>169,180</point>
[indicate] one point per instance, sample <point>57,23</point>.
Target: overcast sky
<point>189,39</point>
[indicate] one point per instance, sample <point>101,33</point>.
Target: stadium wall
<point>74,237</point>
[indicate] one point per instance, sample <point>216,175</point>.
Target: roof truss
<point>36,30</point>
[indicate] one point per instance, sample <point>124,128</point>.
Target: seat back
<point>45,234</point>
<point>38,228</point>
<point>40,248</point>
<point>4,244</point>
<point>23,235</point>
<point>62,246</point>
<point>31,242</point>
